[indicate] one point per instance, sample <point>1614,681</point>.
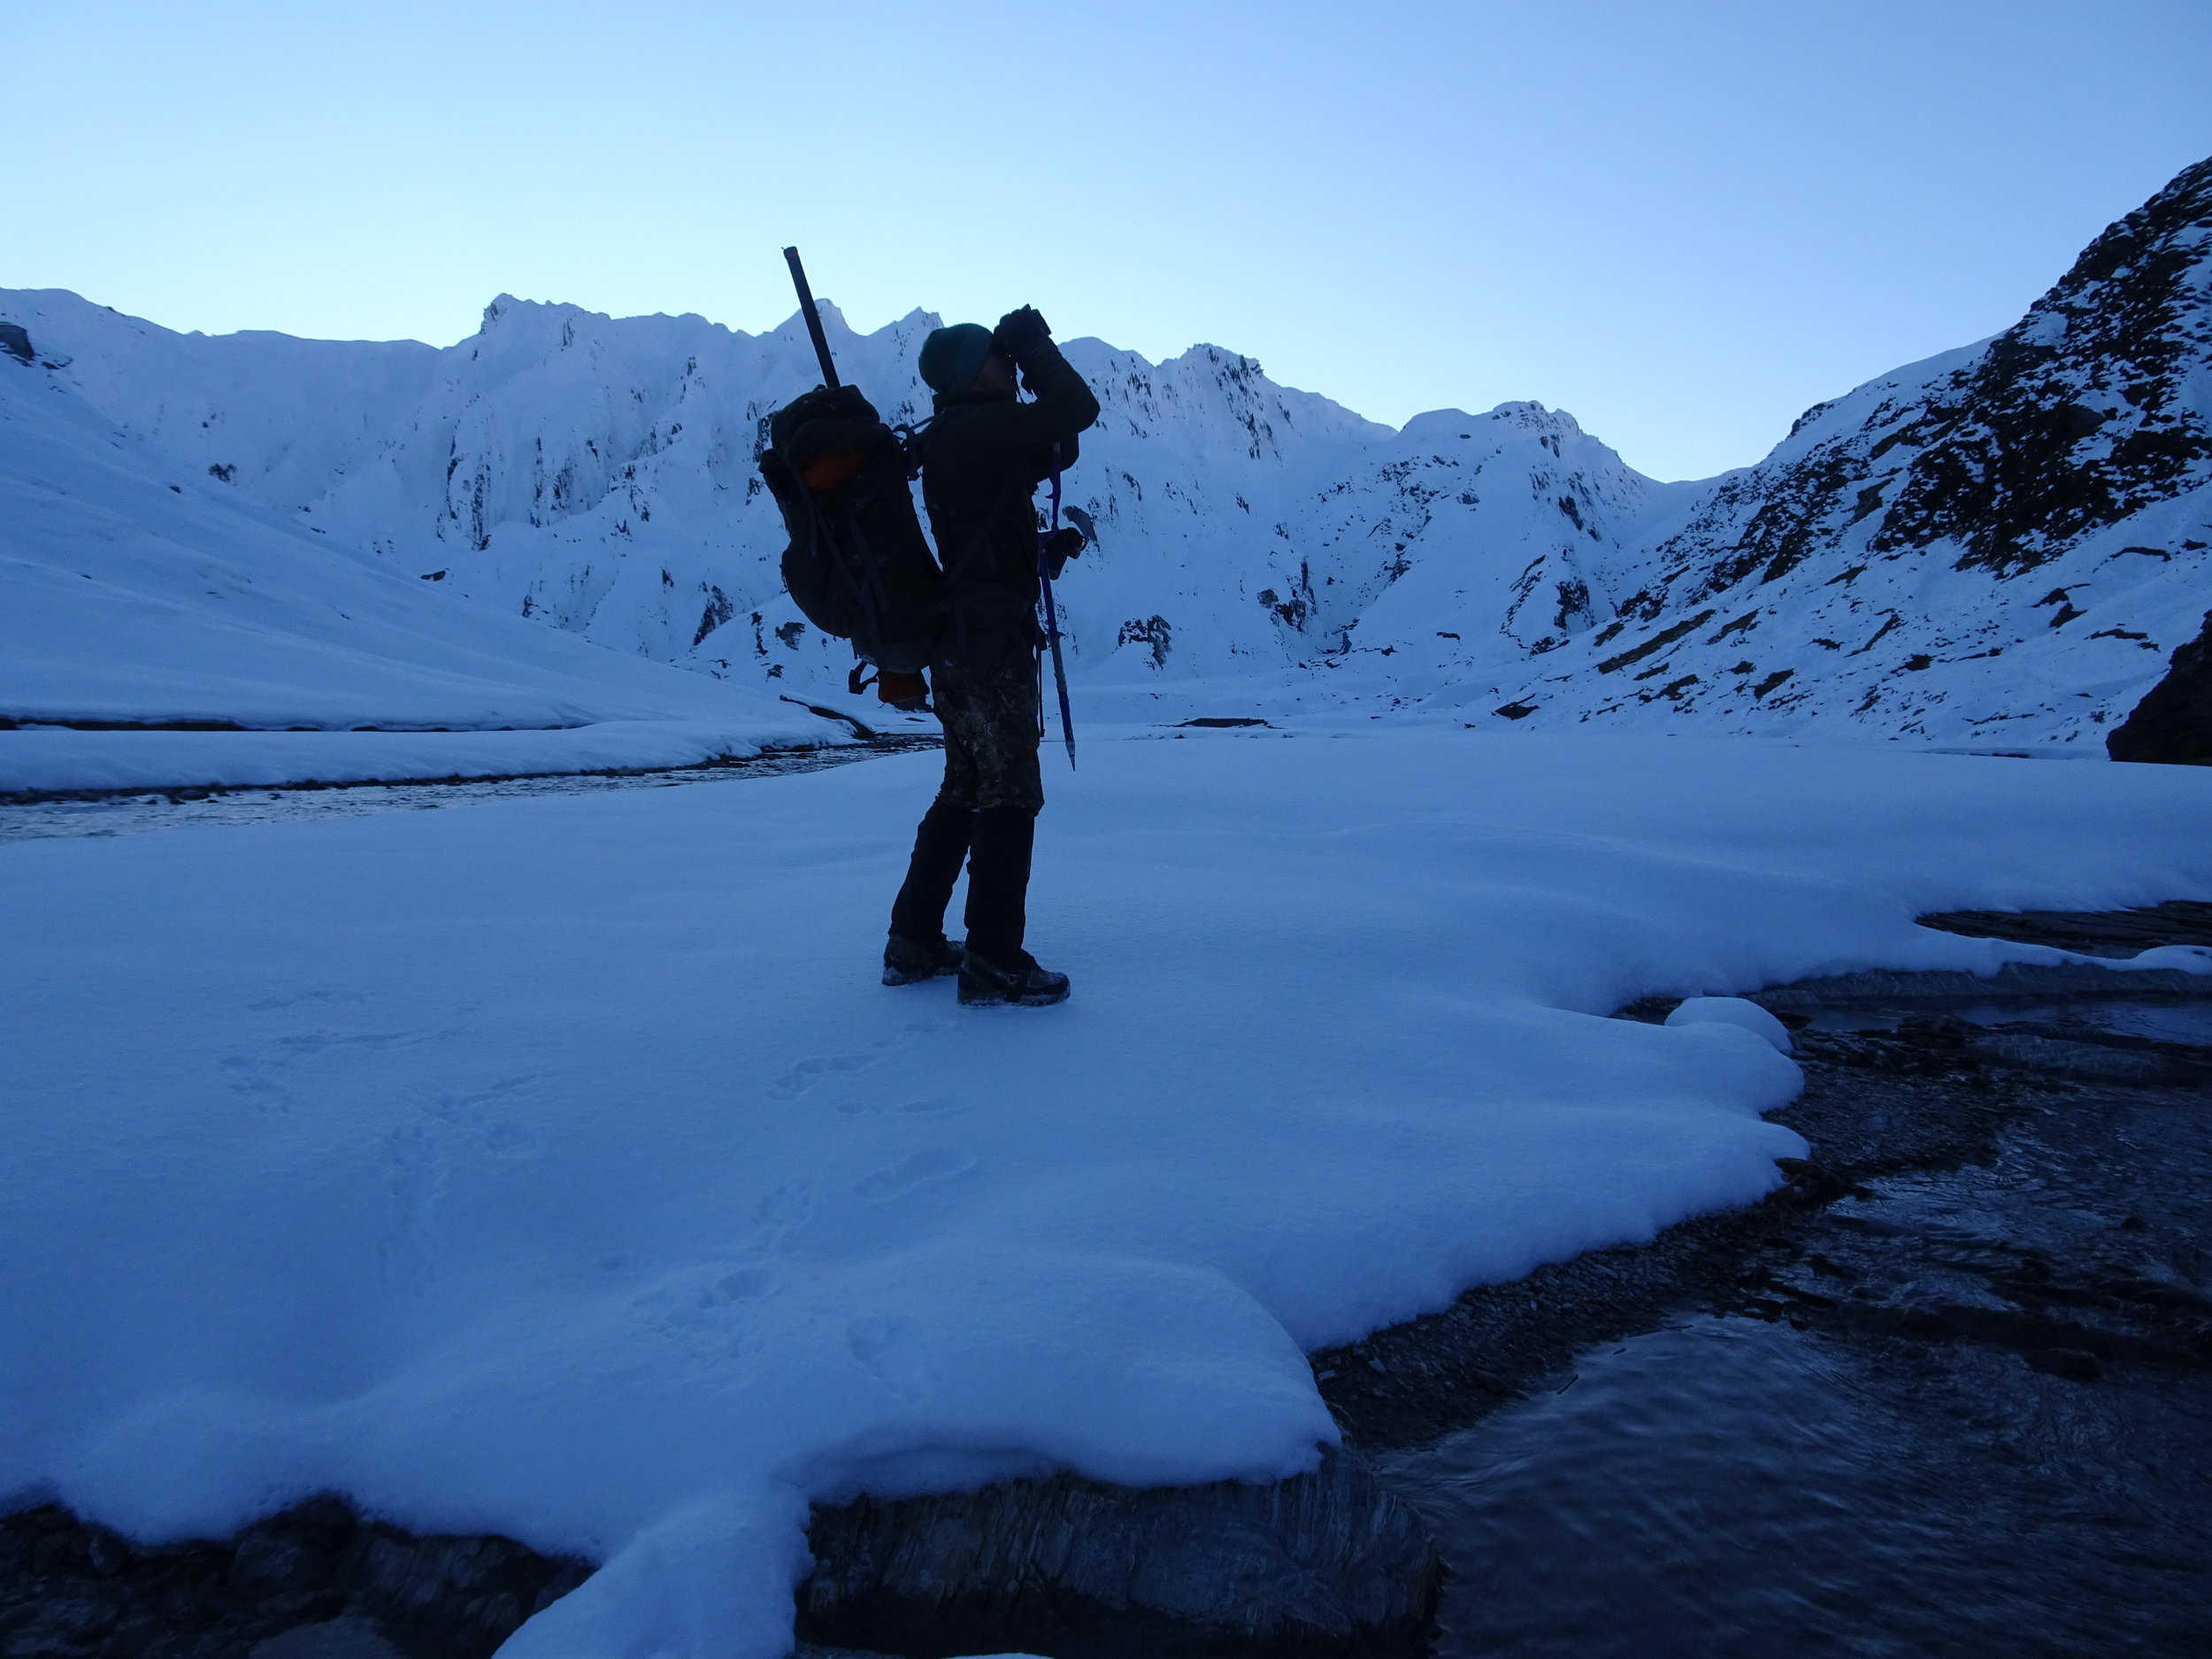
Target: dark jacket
<point>982,459</point>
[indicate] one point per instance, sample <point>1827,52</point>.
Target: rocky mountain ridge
<point>2002,541</point>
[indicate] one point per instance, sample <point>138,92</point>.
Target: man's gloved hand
<point>1059,547</point>
<point>1020,333</point>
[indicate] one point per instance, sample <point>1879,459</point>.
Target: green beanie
<point>952,358</point>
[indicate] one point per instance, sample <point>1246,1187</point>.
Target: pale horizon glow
<point>1683,225</point>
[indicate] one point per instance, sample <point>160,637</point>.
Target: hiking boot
<point>909,961</point>
<point>1018,980</point>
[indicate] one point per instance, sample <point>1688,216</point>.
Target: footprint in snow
<point>889,1349</point>
<point>916,1108</point>
<point>748,1284</point>
<point>932,1164</point>
<point>305,999</point>
<point>806,1073</point>
<point>318,1041</point>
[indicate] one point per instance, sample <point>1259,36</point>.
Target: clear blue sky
<point>1683,222</point>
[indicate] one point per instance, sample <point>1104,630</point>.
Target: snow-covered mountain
<point>597,474</point>
<point>1999,543</point>
<point>140,594</point>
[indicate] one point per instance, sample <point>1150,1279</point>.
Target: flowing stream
<point>1976,1418</point>
<point>127,814</point>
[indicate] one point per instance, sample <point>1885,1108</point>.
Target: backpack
<point>858,566</point>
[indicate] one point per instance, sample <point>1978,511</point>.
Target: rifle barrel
<point>813,317</point>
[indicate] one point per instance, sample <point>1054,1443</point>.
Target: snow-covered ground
<point>557,1168</point>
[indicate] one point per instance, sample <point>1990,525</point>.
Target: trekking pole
<point>1052,619</point>
<point>813,317</point>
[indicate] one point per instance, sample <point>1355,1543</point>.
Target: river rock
<point>333,1638</point>
<point>319,1581</point>
<point>1322,1565</point>
<point>2014,979</point>
<point>2174,721</point>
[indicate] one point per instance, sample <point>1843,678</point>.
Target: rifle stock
<point>813,317</point>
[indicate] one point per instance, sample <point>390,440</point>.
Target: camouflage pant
<point>986,701</point>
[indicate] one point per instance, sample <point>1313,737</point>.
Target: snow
<point>557,1168</point>
<point>1731,1010</point>
<point>2181,959</point>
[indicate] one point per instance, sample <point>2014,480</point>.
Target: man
<point>983,456</point>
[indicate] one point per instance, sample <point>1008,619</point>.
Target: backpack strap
<point>909,441</point>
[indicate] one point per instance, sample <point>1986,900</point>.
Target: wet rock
<point>2022,980</point>
<point>2088,933</point>
<point>334,1639</point>
<point>2173,722</point>
<point>269,1563</point>
<point>106,1554</point>
<point>2143,1063</point>
<point>315,1582</point>
<point>2069,1362</point>
<point>1809,1183</point>
<point>455,1597</point>
<point>1326,1563</point>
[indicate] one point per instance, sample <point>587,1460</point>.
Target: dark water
<point>2188,1021</point>
<point>1894,1468</point>
<point>128,814</point>
<point>1732,1488</point>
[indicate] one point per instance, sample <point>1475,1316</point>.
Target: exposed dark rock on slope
<point>2075,417</point>
<point>2174,723</point>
